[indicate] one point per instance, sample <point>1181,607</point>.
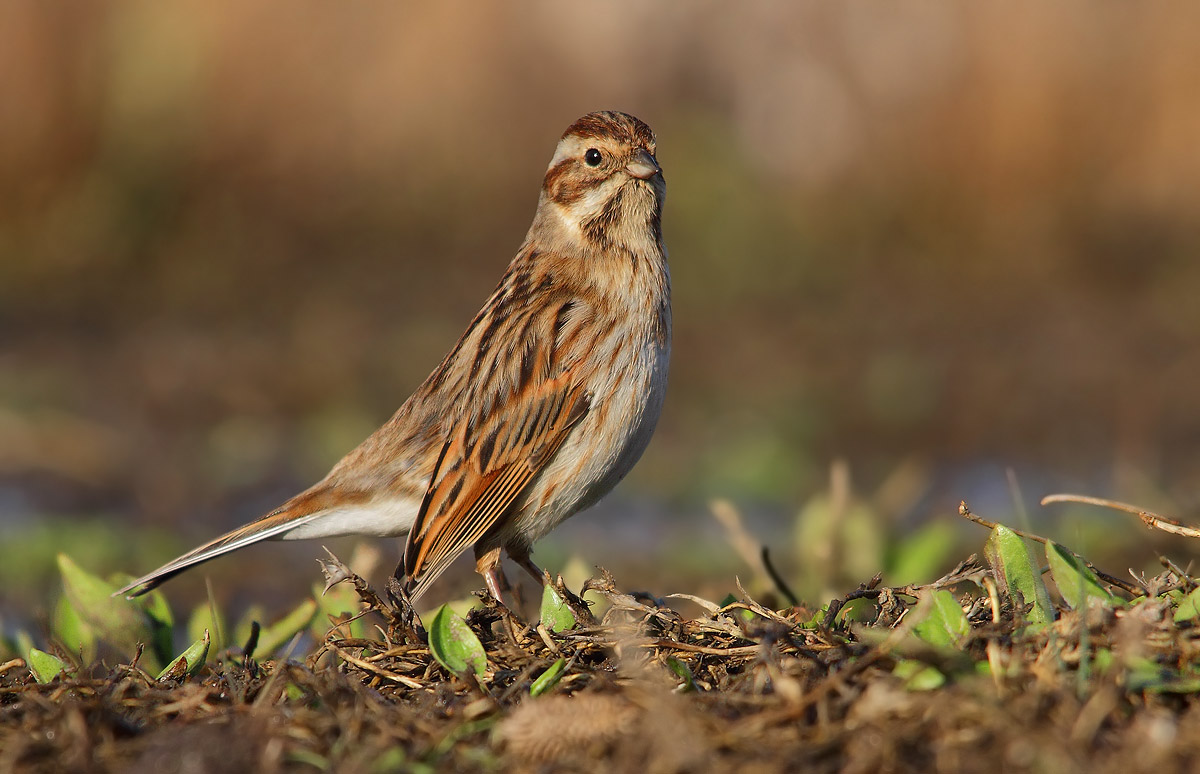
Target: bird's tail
<point>300,511</point>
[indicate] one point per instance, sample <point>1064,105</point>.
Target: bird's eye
<point>592,157</point>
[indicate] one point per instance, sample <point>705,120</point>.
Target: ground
<point>863,684</point>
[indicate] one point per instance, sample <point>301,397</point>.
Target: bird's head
<point>604,184</point>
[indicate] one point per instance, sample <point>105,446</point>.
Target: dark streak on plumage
<point>484,347</point>
<point>528,364</point>
<point>598,230</point>
<point>486,448</point>
<point>560,318</point>
<point>559,185</point>
<point>557,342</point>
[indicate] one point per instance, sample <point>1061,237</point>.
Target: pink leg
<point>522,559</point>
<point>488,565</point>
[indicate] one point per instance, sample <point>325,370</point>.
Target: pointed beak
<point>643,166</point>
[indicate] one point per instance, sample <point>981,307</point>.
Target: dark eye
<point>592,157</point>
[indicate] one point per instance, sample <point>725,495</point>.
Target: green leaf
<point>162,622</point>
<point>946,624</point>
<point>115,620</point>
<point>682,671</point>
<point>190,662</point>
<point>392,760</point>
<point>278,634</point>
<point>818,618</point>
<point>309,758</point>
<point>918,676</point>
<point>44,666</point>
<point>1189,607</point>
<point>1146,675</point>
<point>72,632</point>
<point>548,679</point>
<point>556,615</point>
<point>1008,555</point>
<point>454,645</point>
<point>1075,580</point>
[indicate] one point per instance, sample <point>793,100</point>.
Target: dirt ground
<point>736,687</point>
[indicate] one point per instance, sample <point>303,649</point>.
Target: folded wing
<point>481,474</point>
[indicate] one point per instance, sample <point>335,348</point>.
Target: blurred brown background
<point>939,239</point>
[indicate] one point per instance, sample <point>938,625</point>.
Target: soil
<point>739,688</point>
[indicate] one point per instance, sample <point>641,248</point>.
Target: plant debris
<point>960,675</point>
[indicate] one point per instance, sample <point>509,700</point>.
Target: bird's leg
<point>577,604</point>
<point>487,564</point>
<point>521,557</point>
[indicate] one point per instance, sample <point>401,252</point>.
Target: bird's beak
<point>643,165</point>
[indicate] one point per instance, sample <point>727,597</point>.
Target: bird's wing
<point>483,469</point>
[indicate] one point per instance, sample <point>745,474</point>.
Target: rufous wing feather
<point>478,478</point>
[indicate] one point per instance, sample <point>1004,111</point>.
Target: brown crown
<point>613,124</point>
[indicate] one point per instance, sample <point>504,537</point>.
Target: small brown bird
<point>544,404</point>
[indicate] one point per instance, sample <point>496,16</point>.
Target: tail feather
<point>273,525</point>
<point>297,512</point>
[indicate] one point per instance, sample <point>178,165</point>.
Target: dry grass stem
<point>1149,518</point>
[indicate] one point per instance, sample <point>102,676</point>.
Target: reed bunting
<point>544,404</point>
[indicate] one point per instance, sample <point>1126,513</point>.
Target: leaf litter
<point>988,668</point>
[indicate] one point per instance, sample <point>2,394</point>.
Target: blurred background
<point>947,250</point>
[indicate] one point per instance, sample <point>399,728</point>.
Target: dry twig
<point>1149,518</point>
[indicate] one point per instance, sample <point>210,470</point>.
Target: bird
<point>546,401</point>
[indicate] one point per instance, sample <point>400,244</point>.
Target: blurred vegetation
<point>943,239</point>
